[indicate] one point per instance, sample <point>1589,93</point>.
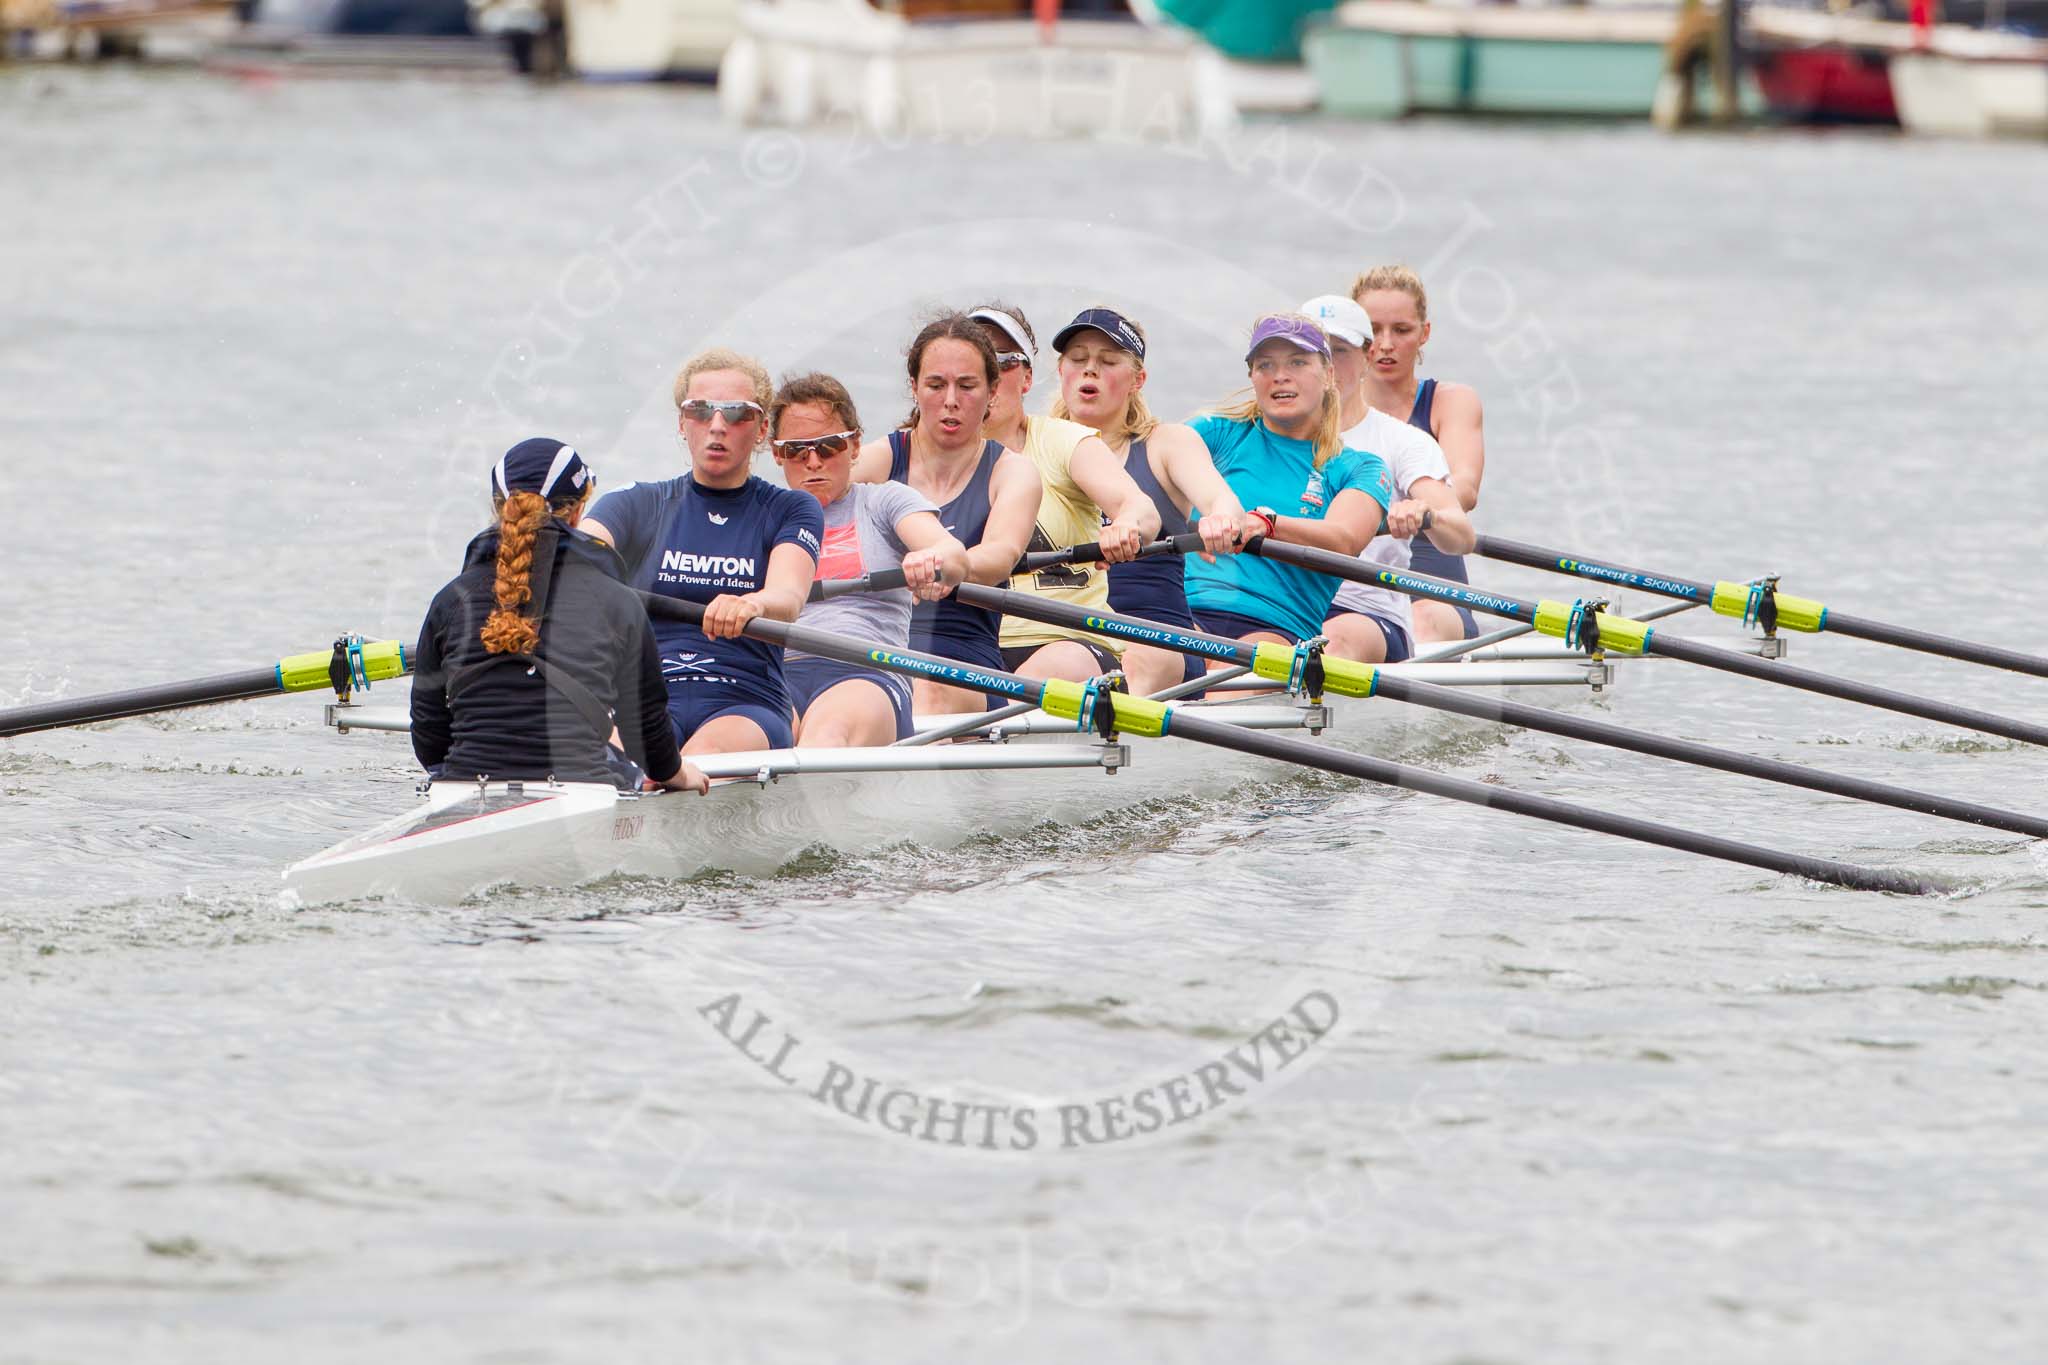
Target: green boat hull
<point>1368,74</point>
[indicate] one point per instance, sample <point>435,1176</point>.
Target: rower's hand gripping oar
<point>1762,604</point>
<point>1089,552</point>
<point>1094,706</point>
<point>887,580</point>
<point>1346,678</point>
<point>1586,626</point>
<point>352,665</point>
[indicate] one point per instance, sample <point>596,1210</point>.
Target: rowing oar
<point>352,663</point>
<point>1093,706</point>
<point>1763,604</point>
<point>1090,551</point>
<point>1583,625</point>
<point>885,580</point>
<point>1280,664</point>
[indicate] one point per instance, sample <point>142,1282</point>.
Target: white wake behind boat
<point>768,808</point>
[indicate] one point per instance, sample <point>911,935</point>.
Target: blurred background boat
<point>344,38</point>
<point>1842,64</point>
<point>88,30</point>
<point>1825,66</point>
<point>1388,58</point>
<point>973,68</point>
<point>1962,81</point>
<point>612,40</point>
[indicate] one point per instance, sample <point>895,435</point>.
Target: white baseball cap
<point>1340,317</point>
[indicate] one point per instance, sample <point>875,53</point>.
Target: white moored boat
<point>799,62</point>
<point>767,808</point>
<point>1966,82</point>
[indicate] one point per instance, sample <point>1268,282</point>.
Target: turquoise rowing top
<point>1265,469</point>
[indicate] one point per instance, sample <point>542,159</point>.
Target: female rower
<point>986,496</point>
<point>721,537</point>
<point>869,528</point>
<point>1102,386</point>
<point>1372,624</point>
<point>495,696</point>
<point>1088,497</point>
<point>1393,297</point>
<point>1284,446</point>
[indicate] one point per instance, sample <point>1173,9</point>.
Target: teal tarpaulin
<point>1250,30</point>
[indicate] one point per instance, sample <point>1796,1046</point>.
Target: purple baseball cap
<point>1287,327</point>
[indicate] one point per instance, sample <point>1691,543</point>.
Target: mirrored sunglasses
<point>734,410</point>
<point>824,447</point>
<point>1007,361</point>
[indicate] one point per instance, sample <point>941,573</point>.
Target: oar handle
<point>1092,550</point>
<point>882,580</point>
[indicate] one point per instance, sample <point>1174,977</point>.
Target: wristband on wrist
<point>1267,515</point>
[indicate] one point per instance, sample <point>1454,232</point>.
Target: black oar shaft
<point>1537,557</point>
<point>1828,685</point>
<point>1927,642</point>
<point>1225,736</point>
<point>1831,621</point>
<point>49,715</point>
<point>1481,707</point>
<point>1726,660</point>
<point>1178,722</point>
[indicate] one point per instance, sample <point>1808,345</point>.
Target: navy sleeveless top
<point>1423,555</point>
<point>1153,588</point>
<point>1425,399</point>
<point>965,518</point>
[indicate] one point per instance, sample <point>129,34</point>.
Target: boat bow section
<point>469,836</point>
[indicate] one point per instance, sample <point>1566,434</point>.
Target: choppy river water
<point>1576,1100</point>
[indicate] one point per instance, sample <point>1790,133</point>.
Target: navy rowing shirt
<point>681,539</point>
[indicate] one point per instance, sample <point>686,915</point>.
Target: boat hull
<point>1389,58</point>
<point>1987,94</point>
<point>643,40</point>
<point>467,837</point>
<point>1825,68</point>
<point>799,62</point>
<point>1827,85</point>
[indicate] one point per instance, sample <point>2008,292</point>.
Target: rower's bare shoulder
<point>1169,437</point>
<point>1457,400</point>
<point>1015,468</point>
<point>872,464</point>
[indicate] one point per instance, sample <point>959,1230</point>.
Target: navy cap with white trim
<point>540,465</point>
<point>1110,323</point>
